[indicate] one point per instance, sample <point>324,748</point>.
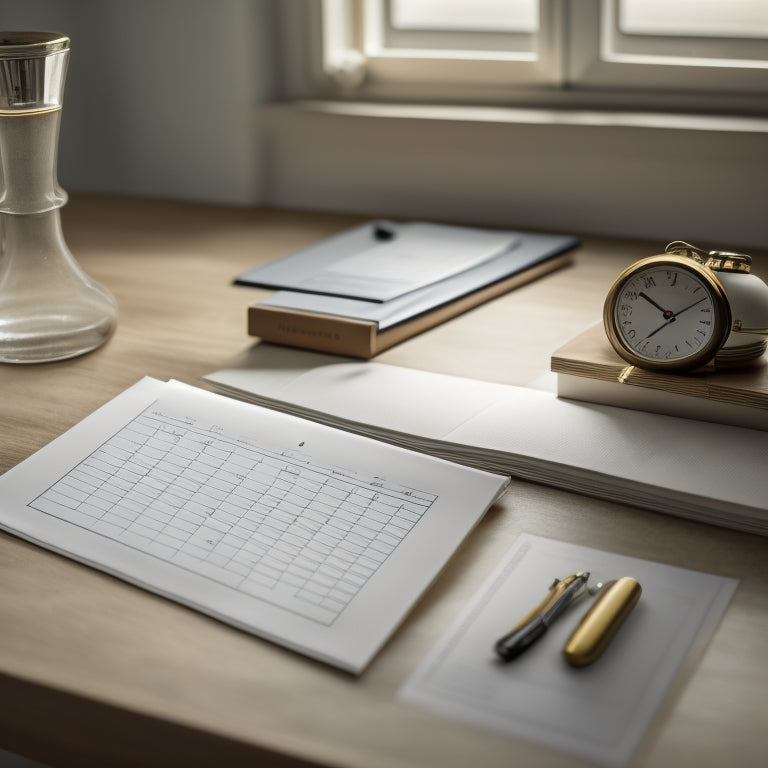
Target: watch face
<point>667,313</point>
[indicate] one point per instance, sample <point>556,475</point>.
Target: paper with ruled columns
<point>313,538</point>
<point>714,473</point>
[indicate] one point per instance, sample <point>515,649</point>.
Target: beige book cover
<point>589,369</point>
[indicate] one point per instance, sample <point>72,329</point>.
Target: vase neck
<point>28,158</point>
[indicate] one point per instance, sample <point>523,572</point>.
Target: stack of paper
<point>377,284</point>
<point>382,261</point>
<point>311,537</point>
<point>709,472</point>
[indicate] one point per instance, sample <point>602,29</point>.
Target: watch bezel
<point>721,320</point>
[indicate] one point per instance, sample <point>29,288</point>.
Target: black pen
<point>531,627</point>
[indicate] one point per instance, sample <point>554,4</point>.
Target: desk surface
<point>96,672</point>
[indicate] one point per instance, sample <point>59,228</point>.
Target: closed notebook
<point>361,327</point>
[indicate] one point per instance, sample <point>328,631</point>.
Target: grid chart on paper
<point>272,525</point>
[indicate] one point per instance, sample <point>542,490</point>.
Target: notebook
<point>713,473</point>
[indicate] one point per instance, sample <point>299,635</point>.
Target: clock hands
<point>665,312</point>
<point>663,325</point>
<point>669,316</point>
<point>688,307</point>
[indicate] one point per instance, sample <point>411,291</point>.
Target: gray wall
<point>162,96</point>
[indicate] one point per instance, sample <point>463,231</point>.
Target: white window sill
<point>644,175</point>
<point>532,116</point>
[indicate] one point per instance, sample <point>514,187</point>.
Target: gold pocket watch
<point>688,308</point>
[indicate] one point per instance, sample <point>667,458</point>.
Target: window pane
<point>710,18</point>
<point>470,15</point>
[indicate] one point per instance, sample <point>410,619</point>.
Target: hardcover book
<point>469,266</point>
<point>589,369</point>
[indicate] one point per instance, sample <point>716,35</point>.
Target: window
<point>647,52</point>
<point>673,45</point>
<point>379,44</point>
<point>482,15</point>
<point>633,118</point>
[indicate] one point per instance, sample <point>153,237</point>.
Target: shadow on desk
<point>9,760</point>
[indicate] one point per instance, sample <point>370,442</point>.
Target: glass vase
<point>49,308</point>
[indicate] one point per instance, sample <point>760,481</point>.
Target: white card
<point>599,712</point>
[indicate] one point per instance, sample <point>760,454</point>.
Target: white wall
<point>162,96</point>
<point>655,177</point>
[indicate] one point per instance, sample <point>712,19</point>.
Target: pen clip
<point>562,594</point>
<point>534,624</point>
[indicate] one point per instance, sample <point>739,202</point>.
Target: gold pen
<point>601,622</point>
<point>531,627</point>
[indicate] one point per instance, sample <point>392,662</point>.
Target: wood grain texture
<point>96,672</point>
<point>590,355</point>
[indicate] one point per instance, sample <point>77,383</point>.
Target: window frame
<point>356,55</point>
<point>606,58</point>
<point>325,59</point>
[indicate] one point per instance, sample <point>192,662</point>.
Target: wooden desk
<point>96,672</point>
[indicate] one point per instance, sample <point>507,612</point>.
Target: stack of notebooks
<point>376,285</point>
<point>589,369</point>
<point>714,473</point>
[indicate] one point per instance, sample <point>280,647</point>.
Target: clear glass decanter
<point>49,308</point>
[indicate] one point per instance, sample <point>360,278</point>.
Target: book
<point>589,369</point>
<point>308,536</point>
<point>708,472</point>
<point>341,323</point>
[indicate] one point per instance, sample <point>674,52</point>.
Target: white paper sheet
<point>311,537</point>
<point>529,250</point>
<point>662,463</point>
<point>599,712</point>
<point>357,265</point>
<point>422,255</point>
